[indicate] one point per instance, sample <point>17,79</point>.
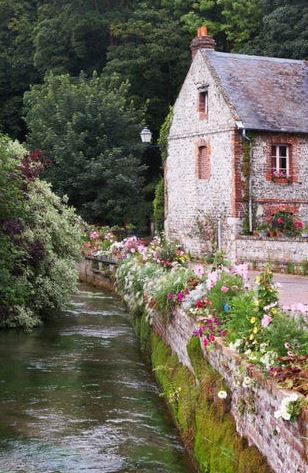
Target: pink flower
<point>211,337</point>
<point>279,220</point>
<point>241,270</point>
<point>224,289</point>
<point>94,235</point>
<point>181,296</point>
<point>170,296</point>
<point>212,279</point>
<point>205,342</point>
<point>266,320</point>
<point>199,270</point>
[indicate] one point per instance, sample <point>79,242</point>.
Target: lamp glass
<point>146,135</point>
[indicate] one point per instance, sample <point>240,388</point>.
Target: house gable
<point>199,170</point>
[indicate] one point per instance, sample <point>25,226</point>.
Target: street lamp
<point>146,135</point>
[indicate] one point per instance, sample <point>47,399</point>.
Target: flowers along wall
<point>253,352</point>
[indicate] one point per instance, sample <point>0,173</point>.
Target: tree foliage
<point>90,128</point>
<point>40,238</point>
<point>284,32</point>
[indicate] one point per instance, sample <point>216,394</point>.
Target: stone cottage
<point>238,146</point>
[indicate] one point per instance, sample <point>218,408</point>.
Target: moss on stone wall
<point>205,422</point>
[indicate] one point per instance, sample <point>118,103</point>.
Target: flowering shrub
<point>222,304</point>
<point>284,222</point>
<point>40,239</point>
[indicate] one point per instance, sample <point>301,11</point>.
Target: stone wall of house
<point>187,196</point>
<point>270,196</point>
<point>283,443</point>
<point>280,252</point>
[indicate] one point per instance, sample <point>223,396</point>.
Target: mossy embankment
<point>204,421</point>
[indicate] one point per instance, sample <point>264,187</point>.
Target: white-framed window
<point>280,160</point>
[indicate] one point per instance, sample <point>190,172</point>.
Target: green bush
<point>243,310</point>
<point>284,332</point>
<point>40,239</point>
<point>158,206</point>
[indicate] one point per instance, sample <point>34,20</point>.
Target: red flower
<point>298,224</point>
<point>199,304</point>
<point>279,220</point>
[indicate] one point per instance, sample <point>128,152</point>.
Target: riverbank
<point>220,403</point>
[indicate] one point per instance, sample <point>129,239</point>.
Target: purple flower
<point>181,296</point>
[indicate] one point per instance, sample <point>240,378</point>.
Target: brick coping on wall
<point>272,239</point>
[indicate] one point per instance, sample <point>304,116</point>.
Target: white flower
<point>277,414</point>
<point>222,394</point>
<point>235,345</point>
<point>293,397</point>
<point>247,382</point>
<point>285,415</point>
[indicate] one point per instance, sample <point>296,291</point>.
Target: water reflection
<point>75,396</point>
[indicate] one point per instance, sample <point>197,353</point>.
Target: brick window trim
<point>202,159</point>
<point>271,208</point>
<point>291,142</point>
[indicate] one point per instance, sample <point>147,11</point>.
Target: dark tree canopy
<point>144,43</point>
<point>90,129</point>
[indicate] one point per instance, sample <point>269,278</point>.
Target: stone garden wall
<point>284,444</point>
<point>279,252</point>
<point>254,399</point>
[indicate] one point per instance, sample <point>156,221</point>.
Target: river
<point>77,396</point>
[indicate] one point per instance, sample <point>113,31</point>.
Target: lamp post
<point>152,160</point>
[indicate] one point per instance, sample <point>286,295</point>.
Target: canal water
<point>76,396</point>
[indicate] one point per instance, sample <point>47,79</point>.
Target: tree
<point>16,62</point>
<point>150,49</point>
<point>90,130</point>
<point>284,31</point>
<point>40,239</point>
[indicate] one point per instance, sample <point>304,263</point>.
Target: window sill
<point>281,180</point>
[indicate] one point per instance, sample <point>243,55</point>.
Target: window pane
<point>202,102</point>
<point>283,163</point>
<point>274,165</point>
<point>283,151</point>
<point>274,150</point>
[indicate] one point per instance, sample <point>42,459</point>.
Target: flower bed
<point>260,353</point>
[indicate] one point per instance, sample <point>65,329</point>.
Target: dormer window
<point>203,104</point>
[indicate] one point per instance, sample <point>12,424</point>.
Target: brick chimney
<point>202,41</point>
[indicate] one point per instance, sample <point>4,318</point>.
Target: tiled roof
<point>266,93</point>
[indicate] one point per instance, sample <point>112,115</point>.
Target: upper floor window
<point>203,104</point>
<point>280,161</point>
